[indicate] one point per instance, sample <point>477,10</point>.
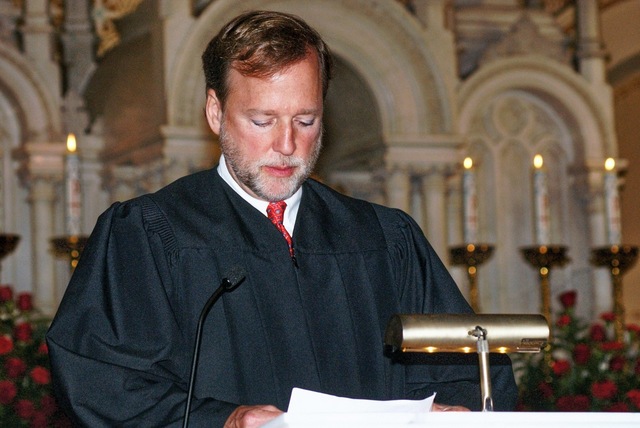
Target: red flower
<point>25,409</point>
<point>563,320</point>
<point>612,346</point>
<point>617,407</point>
<point>6,344</point>
<point>39,420</point>
<point>597,333</point>
<point>15,367</point>
<point>617,363</point>
<point>608,316</point>
<point>25,302</point>
<point>604,390</point>
<point>561,367</point>
<point>568,299</point>
<point>546,390</point>
<point>40,375</point>
<point>8,391</point>
<point>581,353</point>
<point>48,405</point>
<point>634,328</point>
<point>573,403</point>
<point>634,397</point>
<point>23,331</point>
<point>6,293</point>
<point>43,349</point>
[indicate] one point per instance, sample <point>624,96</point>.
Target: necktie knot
<point>275,212</point>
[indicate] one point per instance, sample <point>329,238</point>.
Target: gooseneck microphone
<point>233,278</point>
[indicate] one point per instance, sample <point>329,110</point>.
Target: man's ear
<point>213,111</point>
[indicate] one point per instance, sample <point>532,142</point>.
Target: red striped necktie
<point>275,212</point>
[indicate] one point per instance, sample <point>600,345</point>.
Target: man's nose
<point>285,140</point>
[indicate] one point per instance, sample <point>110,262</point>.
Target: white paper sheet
<point>305,401</point>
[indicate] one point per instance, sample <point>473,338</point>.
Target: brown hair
<point>259,44</point>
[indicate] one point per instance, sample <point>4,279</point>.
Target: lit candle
<point>541,202</point>
<point>72,187</point>
<point>612,202</point>
<point>469,202</point>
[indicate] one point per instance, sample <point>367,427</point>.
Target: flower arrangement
<point>585,368</point>
<point>26,397</point>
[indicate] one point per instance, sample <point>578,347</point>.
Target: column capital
<point>41,160</point>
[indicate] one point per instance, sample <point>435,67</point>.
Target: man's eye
<point>260,123</point>
<point>307,122</point>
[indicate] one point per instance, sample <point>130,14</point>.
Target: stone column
<point>42,172</point>
<point>123,180</point>
<point>398,189</point>
<point>94,197</point>
<point>436,211</point>
<point>186,150</point>
<point>37,40</point>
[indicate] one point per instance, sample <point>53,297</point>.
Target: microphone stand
<point>226,285</point>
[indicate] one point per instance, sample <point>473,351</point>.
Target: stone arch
<point>389,50</point>
<point>36,105</point>
<point>573,132</point>
<point>558,86</point>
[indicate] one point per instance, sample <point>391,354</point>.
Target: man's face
<point>270,130</point>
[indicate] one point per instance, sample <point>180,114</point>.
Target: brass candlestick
<point>69,247</point>
<point>8,243</point>
<point>472,256</point>
<point>618,258</point>
<point>543,258</point>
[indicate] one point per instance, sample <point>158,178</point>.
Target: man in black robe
<point>310,313</point>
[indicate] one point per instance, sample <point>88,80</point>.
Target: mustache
<point>282,161</point>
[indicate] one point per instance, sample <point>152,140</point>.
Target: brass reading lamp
<point>502,333</point>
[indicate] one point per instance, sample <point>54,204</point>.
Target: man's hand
<point>446,408</point>
<point>252,416</point>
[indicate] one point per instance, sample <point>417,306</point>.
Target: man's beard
<point>267,187</point>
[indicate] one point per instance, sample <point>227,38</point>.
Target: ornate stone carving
<point>524,38</point>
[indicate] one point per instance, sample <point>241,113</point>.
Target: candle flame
<point>467,163</point>
<point>609,164</point>
<point>537,161</point>
<point>71,143</point>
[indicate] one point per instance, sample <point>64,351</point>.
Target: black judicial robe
<point>122,340</point>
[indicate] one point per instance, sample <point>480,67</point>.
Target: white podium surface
<point>458,419</point>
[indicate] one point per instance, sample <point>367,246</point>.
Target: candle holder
<point>472,256</point>
<point>8,243</point>
<point>618,258</point>
<point>543,258</point>
<point>69,247</point>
